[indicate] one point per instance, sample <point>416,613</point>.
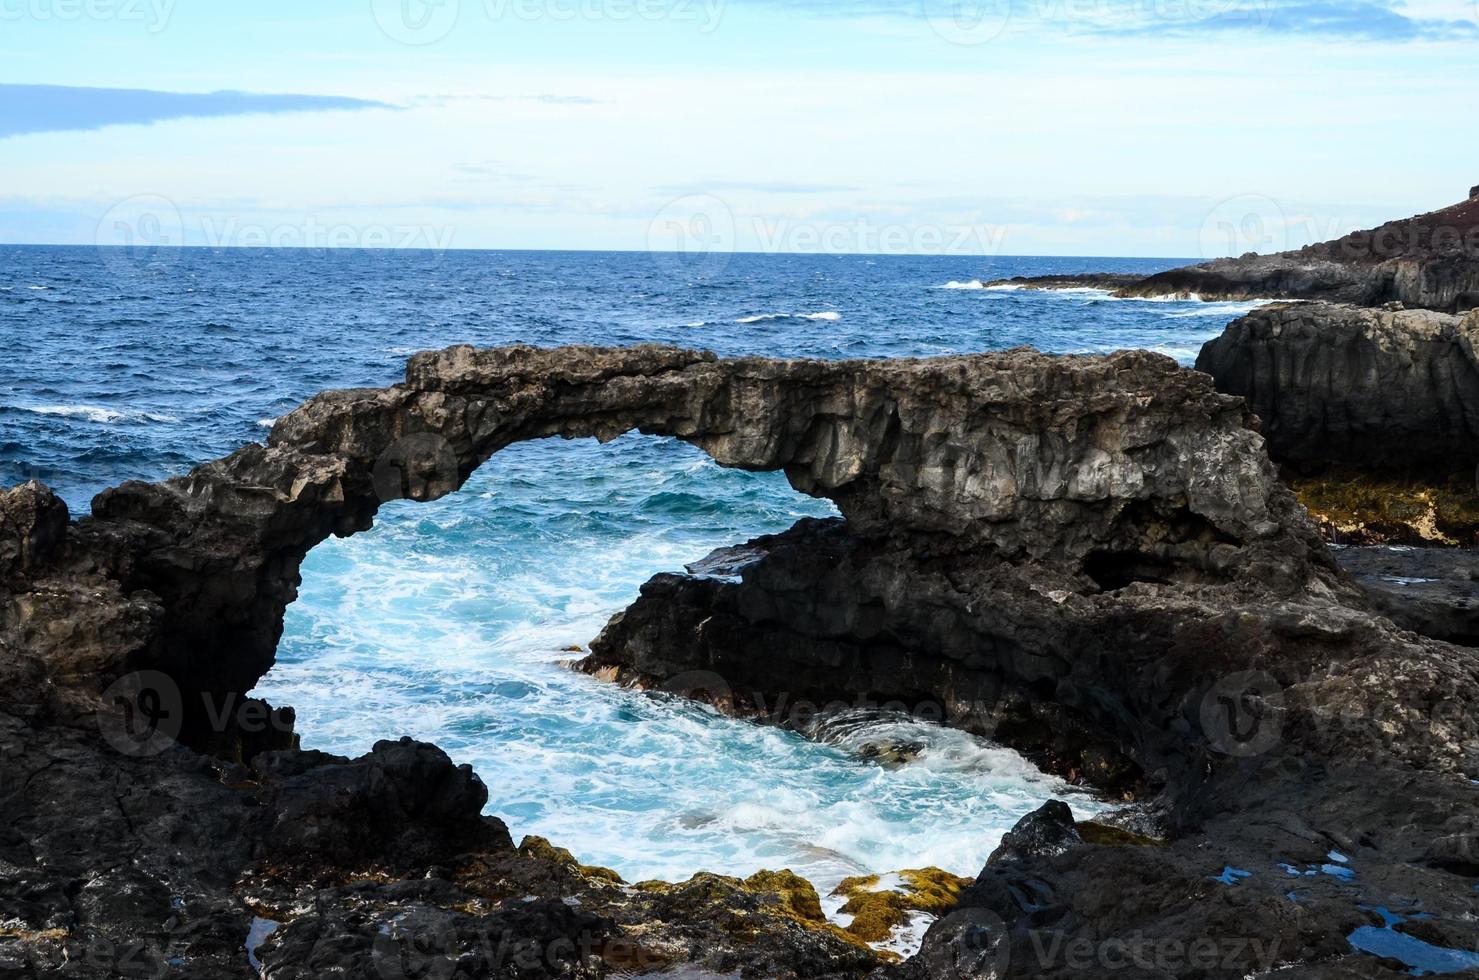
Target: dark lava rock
<point>33,521</point>
<point>1090,558</point>
<point>403,803</point>
<point>1091,280</point>
<point>1430,261</point>
<point>1432,591</point>
<point>1046,832</point>
<point>1338,385</point>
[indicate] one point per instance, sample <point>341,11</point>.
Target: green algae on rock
<point>1363,508</point>
<point>880,904</point>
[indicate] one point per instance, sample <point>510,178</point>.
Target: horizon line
<point>592,251</point>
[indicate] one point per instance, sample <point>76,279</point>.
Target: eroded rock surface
<point>1090,558</point>
<point>1372,413</point>
<point>1340,385</point>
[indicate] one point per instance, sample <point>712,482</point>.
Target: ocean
<point>449,621</point>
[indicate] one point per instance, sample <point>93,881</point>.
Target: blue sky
<point>1090,127</point>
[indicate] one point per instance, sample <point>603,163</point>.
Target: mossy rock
<point>1363,508</point>
<point>876,914</point>
<point>795,893</point>
<point>782,892</point>
<point>1106,836</point>
<point>540,849</point>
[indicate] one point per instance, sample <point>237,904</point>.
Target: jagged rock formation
<point>1092,558</point>
<point>193,574</point>
<point>1372,413</point>
<point>1339,385</point>
<point>1429,261</point>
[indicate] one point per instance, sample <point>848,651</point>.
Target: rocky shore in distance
<point>1429,261</point>
<point>1089,558</point>
<point>1112,281</point>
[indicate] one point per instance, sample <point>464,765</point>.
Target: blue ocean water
<point>449,621</point>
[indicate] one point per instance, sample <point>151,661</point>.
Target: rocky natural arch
<point>1021,454</point>
<point>1102,543</point>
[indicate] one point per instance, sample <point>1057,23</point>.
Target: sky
<point>1180,128</point>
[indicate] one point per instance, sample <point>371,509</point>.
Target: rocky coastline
<point>1430,261</point>
<point>1091,559</point>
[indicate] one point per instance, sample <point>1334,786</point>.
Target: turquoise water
<point>449,621</point>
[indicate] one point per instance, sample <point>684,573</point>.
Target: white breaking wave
<point>764,317</point>
<point>1221,309</point>
<point>501,583</point>
<point>94,413</point>
<point>1182,355</point>
<point>266,423</point>
<point>1017,287</point>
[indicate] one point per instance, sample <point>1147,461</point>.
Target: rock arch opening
<point>974,489</point>
<point>448,622</point>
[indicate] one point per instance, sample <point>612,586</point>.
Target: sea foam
<point>829,315</point>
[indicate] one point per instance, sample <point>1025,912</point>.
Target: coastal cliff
<point>1372,413</point>
<point>1430,261</point>
<point>1089,558</point>
<point>1387,390</point>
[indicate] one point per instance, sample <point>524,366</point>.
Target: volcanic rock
<point>1366,388</point>
<point>1091,558</point>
